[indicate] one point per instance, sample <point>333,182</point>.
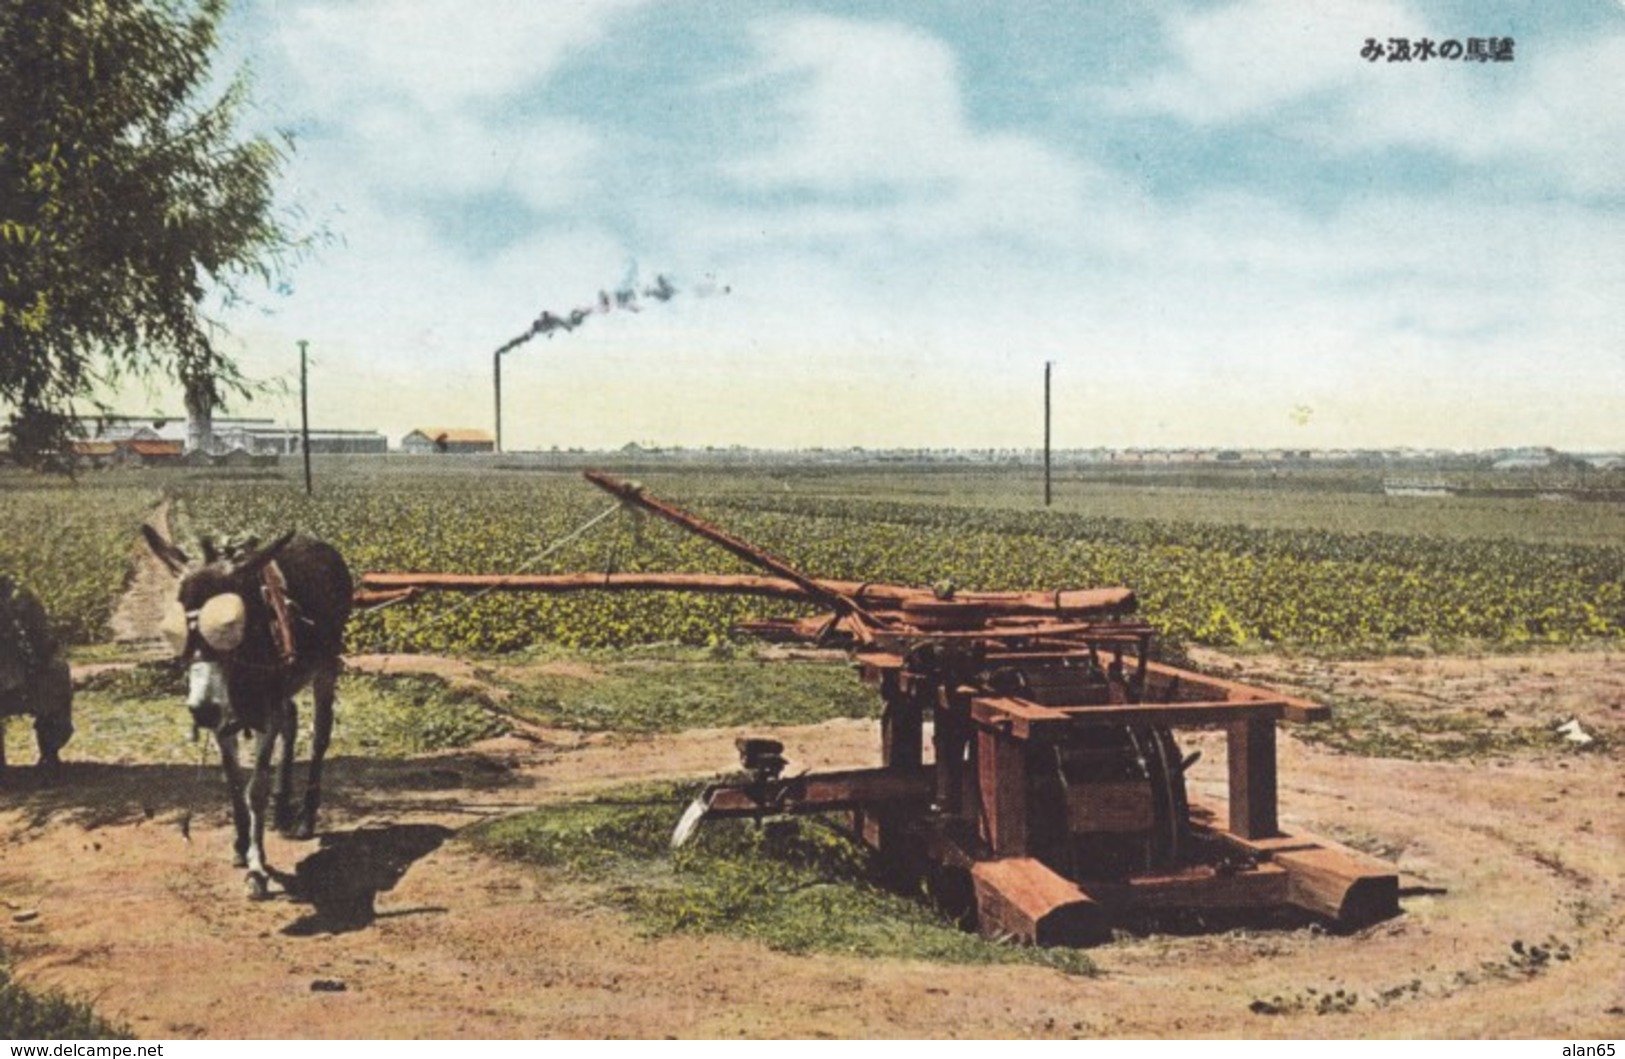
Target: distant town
<point>122,440</point>
<point>157,440</point>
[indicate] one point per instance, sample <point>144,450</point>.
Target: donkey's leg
<point>234,788</point>
<point>53,715</point>
<point>282,793</point>
<point>259,790</point>
<point>324,685</point>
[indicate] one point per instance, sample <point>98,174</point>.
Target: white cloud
<point>1297,67</point>
<point>1247,59</point>
<point>436,54</point>
<point>389,148</point>
<point>1554,116</point>
<point>423,97</point>
<point>873,112</point>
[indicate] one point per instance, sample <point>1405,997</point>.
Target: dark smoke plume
<point>624,299</point>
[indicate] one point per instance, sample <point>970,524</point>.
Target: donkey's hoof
<point>239,859</point>
<point>258,887</point>
<point>305,830</point>
<point>285,822</point>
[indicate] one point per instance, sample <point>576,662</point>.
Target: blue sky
<point>1220,222</point>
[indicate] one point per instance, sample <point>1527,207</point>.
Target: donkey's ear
<point>166,552</point>
<point>210,553</point>
<point>257,560</point>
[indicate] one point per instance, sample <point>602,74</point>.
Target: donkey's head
<point>219,624</point>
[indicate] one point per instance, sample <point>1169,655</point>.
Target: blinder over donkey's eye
<point>220,622</point>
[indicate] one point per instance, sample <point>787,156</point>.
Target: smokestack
<point>625,299</point>
<point>199,417</point>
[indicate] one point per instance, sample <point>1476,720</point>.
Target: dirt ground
<point>388,926</point>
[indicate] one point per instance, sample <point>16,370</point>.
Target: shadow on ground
<point>93,794</point>
<point>342,879</point>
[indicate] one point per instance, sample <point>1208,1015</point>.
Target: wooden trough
<point>1053,799</point>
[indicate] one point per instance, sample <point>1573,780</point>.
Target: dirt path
<point>135,617</point>
<point>394,928</point>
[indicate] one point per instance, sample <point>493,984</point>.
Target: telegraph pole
<point>304,411</point>
<point>1047,365</point>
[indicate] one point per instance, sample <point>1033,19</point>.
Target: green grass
<point>399,716</point>
<point>138,715</point>
<point>27,1014</point>
<point>795,886</point>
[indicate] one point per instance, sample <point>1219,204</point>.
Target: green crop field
<point>1224,567</point>
<point>1318,561</point>
<point>71,542</point>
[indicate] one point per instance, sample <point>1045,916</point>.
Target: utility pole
<point>1047,365</point>
<point>304,411</point>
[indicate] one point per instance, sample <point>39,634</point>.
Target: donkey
<point>255,626</point>
<point>34,677</point>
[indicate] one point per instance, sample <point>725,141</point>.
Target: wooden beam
<point>1023,899</point>
<point>823,792</point>
<point>1325,877</point>
<point>1353,889</point>
<point>1251,752</point>
<point>1021,718</point>
<point>1076,603</point>
<point>902,746</point>
<point>874,665</point>
<point>950,736</point>
<point>1264,886</point>
<point>1026,719</point>
<point>1294,709</point>
<point>902,724</point>
<point>1001,781</point>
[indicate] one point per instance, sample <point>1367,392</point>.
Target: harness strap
<point>275,590</point>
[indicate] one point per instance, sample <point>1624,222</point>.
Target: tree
<point>129,202</point>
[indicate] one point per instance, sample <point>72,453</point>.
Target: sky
<point>1219,221</point>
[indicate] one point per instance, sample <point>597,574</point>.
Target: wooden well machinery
<point>1028,759</point>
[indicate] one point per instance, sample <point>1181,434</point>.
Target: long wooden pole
<point>634,494</point>
<point>1070,602</point>
<point>304,411</point>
